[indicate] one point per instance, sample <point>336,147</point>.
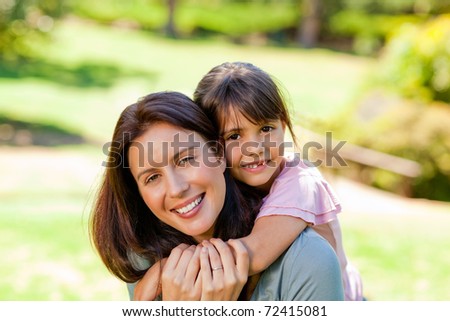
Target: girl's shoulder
<point>294,165</point>
<point>301,190</point>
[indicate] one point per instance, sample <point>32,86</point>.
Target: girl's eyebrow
<point>235,129</point>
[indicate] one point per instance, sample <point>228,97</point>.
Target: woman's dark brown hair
<point>121,223</point>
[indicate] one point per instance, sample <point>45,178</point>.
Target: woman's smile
<point>189,208</point>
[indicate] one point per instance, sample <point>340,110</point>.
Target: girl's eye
<point>234,137</point>
<point>151,178</point>
<point>185,160</point>
<point>266,129</point>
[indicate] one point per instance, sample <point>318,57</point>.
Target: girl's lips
<point>189,208</point>
<point>253,164</point>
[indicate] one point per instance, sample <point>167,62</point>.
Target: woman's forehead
<point>162,141</point>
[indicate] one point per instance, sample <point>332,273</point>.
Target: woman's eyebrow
<point>143,172</point>
<point>181,150</point>
<point>186,149</point>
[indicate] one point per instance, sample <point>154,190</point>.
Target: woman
<point>166,184</point>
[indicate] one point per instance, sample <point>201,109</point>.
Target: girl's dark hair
<point>121,223</point>
<point>241,87</point>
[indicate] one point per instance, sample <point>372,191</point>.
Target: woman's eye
<point>267,129</point>
<point>185,160</point>
<point>151,178</point>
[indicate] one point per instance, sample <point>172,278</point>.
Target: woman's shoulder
<point>308,270</point>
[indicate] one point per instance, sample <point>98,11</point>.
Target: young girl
<point>247,108</point>
<point>249,111</point>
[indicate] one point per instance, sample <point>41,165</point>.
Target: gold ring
<point>217,268</point>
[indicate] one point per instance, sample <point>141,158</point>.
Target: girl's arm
<point>269,238</point>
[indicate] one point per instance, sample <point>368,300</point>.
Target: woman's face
<point>179,178</point>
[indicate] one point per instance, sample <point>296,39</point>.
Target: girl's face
<point>179,178</point>
<point>254,152</point>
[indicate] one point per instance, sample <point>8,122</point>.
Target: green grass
<point>400,258</point>
<point>45,200</point>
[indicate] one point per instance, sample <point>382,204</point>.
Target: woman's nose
<point>177,185</point>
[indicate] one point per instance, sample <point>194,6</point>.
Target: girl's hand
<point>222,274</point>
<point>149,287</point>
<point>180,272</point>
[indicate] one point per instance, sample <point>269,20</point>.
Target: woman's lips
<point>190,207</point>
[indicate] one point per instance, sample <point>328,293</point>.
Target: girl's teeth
<point>189,207</point>
<point>252,165</point>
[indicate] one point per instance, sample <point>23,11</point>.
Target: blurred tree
<point>309,27</point>
<point>22,21</point>
<point>416,60</point>
<point>170,26</point>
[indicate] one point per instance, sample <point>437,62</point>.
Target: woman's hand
<point>149,287</point>
<point>223,273</point>
<point>179,277</point>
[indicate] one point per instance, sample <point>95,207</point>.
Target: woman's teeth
<point>190,206</point>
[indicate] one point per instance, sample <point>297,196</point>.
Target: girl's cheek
<point>231,155</point>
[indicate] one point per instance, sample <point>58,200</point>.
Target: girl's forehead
<point>232,120</point>
<point>236,120</point>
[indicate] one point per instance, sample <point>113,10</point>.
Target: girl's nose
<point>253,148</point>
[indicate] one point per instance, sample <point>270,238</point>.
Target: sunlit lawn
<point>401,258</point>
<point>45,200</point>
<point>87,76</point>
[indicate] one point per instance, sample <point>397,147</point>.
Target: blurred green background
<point>375,73</point>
